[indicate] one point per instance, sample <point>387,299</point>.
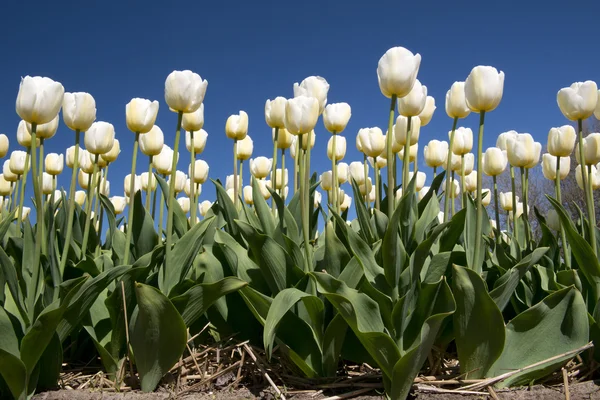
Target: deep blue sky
<point>254,50</point>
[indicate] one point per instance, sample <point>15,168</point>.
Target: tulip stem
<point>591,210</point>
<point>297,166</point>
<point>88,210</point>
<point>582,158</point>
<point>478,225</point>
<point>463,197</point>
<point>101,183</point>
<point>448,168</point>
<point>151,175</point>
<point>390,159</point>
<point>434,172</point>
<point>13,194</point>
<point>161,214</point>
<point>274,168</point>
<point>23,185</point>
<point>514,200</point>
<point>132,196</point>
<point>563,236</point>
<point>496,210</point>
<point>71,209</point>
<point>149,185</point>
<point>235,173</point>
<point>378,188</point>
<point>37,268</point>
<point>406,155</point>
<point>525,216</point>
<point>366,171</point>
<point>303,205</point>
<point>41,208</point>
<point>308,202</point>
<point>171,197</point>
<point>453,196</point>
<point>334,189</point>
<point>193,208</point>
<point>282,191</point>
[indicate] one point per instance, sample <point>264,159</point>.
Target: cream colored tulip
<point>54,163</point>
<point>301,114</point>
<point>245,147</point>
<point>39,99</point>
<point>471,181</point>
<point>152,142</point>
<point>421,193</point>
<point>137,185</point>
<point>247,194</point>
<point>105,188</point>
<point>591,149</point>
<point>313,86</point>
<point>306,142</point>
<point>70,156</point>
<point>326,179</point>
<point>420,180</point>
<point>263,184</point>
<point>163,161</point>
<point>486,198</point>
<point>45,131</point>
<point>236,127</point>
<point>284,139</point>
<point>537,151</point>
<point>549,166</point>
<point>506,202</point>
<point>455,188</point>
<point>79,110</point>
<point>9,175</point>
<point>184,91</point>
<point>463,140</point>
<point>484,88</point>
<point>204,206</point>
<point>427,113</point>
<point>398,194</point>
<point>435,153</point>
<point>494,161</point>
<point>47,183</point>
<point>346,203</point>
<point>80,197</point>
<point>184,203</point>
<point>503,139</point>
<point>26,211</point>
<point>260,167</point>
<point>200,171</point>
<point>340,148</point>
<point>561,141</point>
<point>413,152</point>
<point>397,71</point>
<point>380,161</point>
<point>456,101</point>
<point>365,187</point>
<point>593,177</point>
<point>86,161</point>
<point>579,100</point>
<point>317,199</point>
<point>200,138</point>
<point>5,186</point>
<point>193,121</point>
<point>145,179</point>
<point>414,102</point>
<point>342,173</point>
<point>118,203</point>
<point>180,178</point>
<point>231,194</point>
<point>469,160</point>
<point>356,171</point>
<point>336,117</point>
<point>275,112</point>
<point>518,211</point>
<point>372,141</point>
<point>396,147</point>
<point>520,150</point>
<point>229,181</point>
<point>114,152</point>
<point>83,179</point>
<point>401,130</point>
<point>281,180</point>
<point>140,115</point>
<point>17,162</point>
<point>23,135</point>
<point>99,138</point>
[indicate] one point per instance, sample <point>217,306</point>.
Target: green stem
<point>308,202</point>
<point>378,188</point>
<point>366,169</point>
<point>36,266</point>
<point>496,209</point>
<point>41,180</point>
<point>525,216</point>
<point>297,166</point>
<point>241,178</point>
<point>591,211</point>
<point>155,189</point>
<point>149,186</point>
<point>390,159</point>
<point>132,195</point>
<point>193,209</point>
<point>71,209</point>
<point>563,236</point>
<point>235,173</point>
<point>582,157</point>
<point>282,192</point>
<point>463,197</point>
<point>274,168</point>
<point>453,195</point>
<point>23,185</point>
<point>478,225</point>
<point>99,248</point>
<point>514,201</point>
<point>448,165</point>
<point>406,158</point>
<point>171,197</point>
<point>334,191</point>
<point>160,213</point>
<point>303,205</point>
<point>434,172</point>
<point>88,209</point>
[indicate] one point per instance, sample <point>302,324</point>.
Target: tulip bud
<point>456,101</point>
<point>455,163</point>
<point>86,161</point>
<point>3,145</point>
<point>381,162</point>
<point>469,160</point>
<point>463,140</point>
<point>420,180</point>
<point>413,103</point>
<point>342,173</point>
<point>427,113</point>
<point>471,182</point>
<point>284,139</point>
<point>70,156</point>
<point>24,136</point>
<point>313,86</point>
<point>455,188</point>
<point>80,197</point>
<point>483,88</point>
<point>275,112</point>
<point>436,153</point>
<point>494,161</point>
<point>260,167</point>
<point>184,203</point>
<point>549,166</point>
<point>193,121</point>
<point>137,185</point>
<point>54,163</point>
<point>152,142</point>
<point>148,179</point>
<point>162,162</point>
<point>180,179</point>
<point>537,151</point>
<point>281,180</point>
<point>83,178</point>
<point>114,152</point>
<point>346,203</point>
<point>204,207</point>
<point>326,179</point>
<point>371,140</point>
<point>104,187</point>
<point>5,186</point>
<point>247,192</point>
<point>119,203</point>
<point>263,184</point>
<point>340,148</point>
<point>26,211</point>
<point>506,201</point>
<point>200,137</point>
<point>503,138</point>
<point>397,71</point>
<point>200,171</point>
<point>421,193</point>
<point>561,141</point>
<point>520,150</point>
<point>306,141</point>
<point>17,162</point>
<point>58,195</point>
<point>99,138</point>
<point>140,115</point>
<point>413,152</point>
<point>372,195</point>
<point>357,171</point>
<point>39,99</point>
<point>593,177</point>
<point>47,183</point>
<point>486,198</point>
<point>229,181</point>
<point>231,194</point>
<point>552,220</point>
<point>401,130</point>
<point>317,199</point>
<point>591,149</point>
<point>365,187</point>
<point>237,126</point>
<point>398,194</point>
<point>579,100</point>
<point>245,147</point>
<point>9,175</point>
<point>79,110</point>
<point>336,117</point>
<point>184,91</point>
<point>518,211</point>
<point>301,114</point>
<point>45,131</point>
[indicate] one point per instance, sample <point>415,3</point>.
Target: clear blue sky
<point>254,50</point>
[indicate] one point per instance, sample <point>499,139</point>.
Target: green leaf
<point>144,236</point>
<point>335,256</point>
<point>428,215</point>
<point>478,324</point>
<point>362,215</point>
<point>180,221</point>
<point>14,374</point>
<point>228,210</point>
<point>262,209</point>
<point>456,226</point>
<point>392,249</point>
<point>158,337</point>
<point>332,344</point>
<point>556,325</point>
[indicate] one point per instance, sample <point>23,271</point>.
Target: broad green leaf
<point>14,373</point>
<point>455,226</point>
<point>144,236</point>
<point>366,230</point>
<point>478,324</point>
<point>392,249</point>
<point>426,218</point>
<point>12,281</point>
<point>180,221</point>
<point>432,192</point>
<point>50,365</point>
<point>262,209</point>
<point>228,210</point>
<point>158,337</point>
<point>335,333</point>
<point>335,256</point>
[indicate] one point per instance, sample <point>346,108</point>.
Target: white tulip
<point>54,163</point>
<point>260,167</point>
<point>39,99</point>
<point>86,161</point>
<point>371,140</point>
<point>412,155</point>
<point>148,179</point>
<point>401,130</point>
<point>204,207</point>
<point>26,211</point>
<point>471,182</point>
<point>427,113</point>
<point>421,193</point>
<point>436,153</point>
<point>340,148</point>
<point>592,177</point>
<point>381,162</point>
<point>5,186</point>
<point>455,188</point>
<point>118,203</point>
<point>180,178</point>
<point>245,147</point>
<point>484,88</point>
<point>284,138</point>
<point>193,121</point>
<point>336,117</point>
<point>184,91</point>
<point>275,112</point>
<point>200,137</point>
<point>301,114</point>
<point>8,173</point>
<point>163,161</point>
<point>503,139</point>
<point>23,135</point>
<point>152,142</point>
<point>346,203</point>
<point>317,199</point>
<point>80,197</point>
<point>549,166</point>
<point>506,202</point>
<point>140,115</point>
<point>306,141</point>
<point>247,194</point>
<point>365,187</point>
<point>45,131</point>
<point>397,71</point>
<point>229,181</point>
<point>486,198</point>
<point>456,101</point>
<point>463,140</point>
<point>591,149</point>
<point>579,100</point>
<point>184,203</point>
<point>420,180</point>
<point>342,173</point>
<point>357,171</point>
<point>99,138</point>
<point>561,141</point>
<point>413,103</point>
<point>113,153</point>
<point>236,127</point>
<point>313,86</point>
<point>520,150</point>
<point>47,183</point>
<point>494,161</point>
<point>537,151</point>
<point>79,110</point>
<point>326,180</point>
<point>17,162</point>
<point>281,180</point>
<point>137,185</point>
<point>105,188</point>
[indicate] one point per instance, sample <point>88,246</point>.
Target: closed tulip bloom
<point>346,203</point>
<point>357,171</point>
<point>593,178</point>
<point>372,194</point>
<point>284,139</point>
<point>518,211</point>
<point>236,126</point>
<point>372,141</point>
<point>463,140</point>
<point>420,180</point>
<point>483,88</point>
<point>365,187</point>
<point>381,162</point>
<point>86,161</point>
<point>591,149</point>
<point>275,112</point>
<point>245,148</point>
<point>114,152</point>
<point>260,167</point>
<point>469,160</point>
<point>503,139</point>
<point>436,153</point>
<point>317,199</point>
<point>549,166</point>
<point>8,173</point>
<point>148,179</point>
<point>455,162</point>
<point>193,121</point>
<point>105,188</point>
<point>119,203</point>
<point>520,150</point>
<point>413,103</point>
<point>17,162</point>
<point>397,71</point>
<point>200,138</point>
<point>140,114</point>
<point>39,99</point>
<point>486,198</point>
<point>137,184</point>
<point>264,185</point>
<point>200,171</point>
<point>396,147</point>
<point>231,194</point>
<point>247,194</point>
<point>427,113</point>
<point>70,156</point>
<point>401,130</point>
<point>282,180</point>
<point>204,206</point>
<point>24,136</point>
<point>79,110</point>
<point>306,141</point>
<point>101,161</point>
<point>313,86</point>
<point>301,114</point>
<point>326,179</point>
<point>152,142</point>
<point>506,200</point>
<point>229,181</point>
<point>58,194</point>
<point>561,141</point>
<point>83,179</point>
<point>413,152</point>
<point>455,188</point>
<point>421,193</point>
<point>184,203</point>
<point>340,148</point>
<point>456,101</point>
<point>336,117</point>
<point>80,197</point>
<point>5,186</point>
<point>162,162</point>
<point>342,173</point>
<point>26,211</point>
<point>579,100</point>
<point>54,163</point>
<point>180,178</point>
<point>184,91</point>
<point>398,194</point>
<point>471,181</point>
<point>494,161</point>
<point>537,151</point>
<point>45,131</point>
<point>47,183</point>
<point>99,138</point>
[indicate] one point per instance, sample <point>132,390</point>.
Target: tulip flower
<point>26,211</point>
<point>317,199</point>
<point>397,71</point>
<point>414,102</point>
<point>420,180</point>
<point>151,143</point>
<point>127,185</point>
<point>326,179</point>
<point>427,113</point>
<point>409,106</point>
<point>39,99</point>
<point>421,193</point>
<point>336,117</point>
<point>79,111</point>
<point>148,181</point>
<point>200,172</point>
<point>86,161</point>
<point>486,197</point>
<point>5,186</point>
<point>470,182</point>
<point>372,143</point>
<point>54,163</point>
<point>45,131</point>
<point>113,153</point>
<point>245,148</point>
<point>561,141</point>
<point>80,196</point>
<point>494,163</point>
<point>18,161</point>
<point>24,136</point>
<point>236,127</point>
<point>340,149</point>
<point>557,169</point>
<point>313,86</point>
<point>379,162</point>
<point>412,153</point>
<point>342,173</point>
<point>506,201</point>
<point>260,167</point>
<point>199,141</point>
<point>99,138</point>
<point>275,112</point>
<point>284,139</point>
<point>463,141</point>
<point>3,145</point>
<point>47,183</point>
<point>398,194</point>
<point>184,203</point>
<point>435,153</point>
<point>521,152</point>
<point>9,175</point>
<point>537,151</point>
<point>282,178</point>
<point>456,101</point>
<point>401,130</point>
<point>591,149</point>
<point>357,172</point>
<point>163,162</point>
<point>119,203</point>
<point>264,185</point>
<point>365,187</point>
<point>301,114</point>
<point>194,121</point>
<point>372,196</point>
<point>204,207</point>
<point>247,194</point>
<point>346,203</point>
<point>179,184</point>
<point>105,188</point>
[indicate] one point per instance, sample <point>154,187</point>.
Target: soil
<point>579,391</point>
